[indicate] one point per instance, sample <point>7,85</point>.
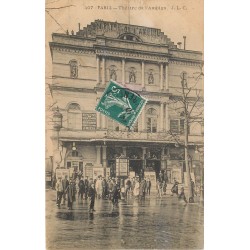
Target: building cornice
<point>101,88</point>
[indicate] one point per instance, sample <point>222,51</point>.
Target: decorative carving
<point>132,76</point>
<point>150,78</point>
<point>73,69</point>
<point>112,73</point>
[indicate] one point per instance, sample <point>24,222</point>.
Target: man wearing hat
<point>59,189</point>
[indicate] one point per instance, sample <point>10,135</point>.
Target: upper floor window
<point>74,116</point>
<point>73,69</point>
<point>177,126</point>
<point>151,120</point>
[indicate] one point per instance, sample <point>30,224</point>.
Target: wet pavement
<point>156,223</point>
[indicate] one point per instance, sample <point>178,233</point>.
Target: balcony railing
<point>124,135</point>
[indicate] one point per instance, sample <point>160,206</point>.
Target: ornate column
<point>166,76</point>
<point>166,118</point>
<point>124,151</point>
<point>104,156</point>
<point>143,120</point>
<point>142,74</point>
<point>161,116</point>
<point>161,76</point>
<point>163,162</point>
<point>98,70</point>
<point>103,121</point>
<point>98,155</point>
<point>98,117</point>
<point>103,70</point>
<point>144,152</point>
<point>123,71</point>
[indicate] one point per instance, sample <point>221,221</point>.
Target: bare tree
<point>188,102</point>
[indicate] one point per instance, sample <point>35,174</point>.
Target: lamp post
<point>57,125</point>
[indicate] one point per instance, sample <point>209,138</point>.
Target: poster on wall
<point>176,175</point>
<point>121,167</point>
<point>88,171</point>
<point>62,172</point>
<point>151,175</point>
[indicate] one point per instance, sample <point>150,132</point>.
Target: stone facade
<point>141,58</point>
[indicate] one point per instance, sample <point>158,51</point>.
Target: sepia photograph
<point>124,113</point>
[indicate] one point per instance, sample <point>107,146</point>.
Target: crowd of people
<point>113,189</point>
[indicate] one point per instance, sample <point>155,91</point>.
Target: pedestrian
<point>98,187</point>
<point>174,189</point>
<point>59,190</point>
<point>148,186</point>
<point>127,187</point>
<point>193,192</point>
<point>91,195</point>
<point>164,187</point>
<point>65,184</point>
<point>86,187</point>
<point>104,188</point>
<point>142,191</point>
<point>111,187</point>
<point>159,188</point>
<point>136,190</point>
<point>71,193</point>
<point>182,195</point>
<point>81,188</point>
<point>116,195</point>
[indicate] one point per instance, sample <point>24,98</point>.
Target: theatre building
<point>140,58</point>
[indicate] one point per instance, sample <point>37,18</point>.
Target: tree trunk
<point>189,191</point>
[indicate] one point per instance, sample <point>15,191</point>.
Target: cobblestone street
<point>155,223</point>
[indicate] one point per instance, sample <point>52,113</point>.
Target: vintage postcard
<point>124,124</point>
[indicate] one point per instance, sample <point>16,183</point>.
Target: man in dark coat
<point>148,185</point>
<point>71,192</point>
<point>174,189</point>
<point>116,195</point>
<point>91,195</point>
<point>65,184</point>
<point>81,188</point>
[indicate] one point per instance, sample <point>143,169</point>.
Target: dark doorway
<point>137,166</point>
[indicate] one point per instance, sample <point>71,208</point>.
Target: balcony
<point>92,135</point>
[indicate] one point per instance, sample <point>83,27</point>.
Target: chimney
<point>184,37</point>
<point>79,26</point>
<point>179,44</point>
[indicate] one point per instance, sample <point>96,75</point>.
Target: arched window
<point>74,117</point>
<point>151,120</point>
<point>73,69</point>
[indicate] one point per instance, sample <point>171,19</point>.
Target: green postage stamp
<point>121,104</point>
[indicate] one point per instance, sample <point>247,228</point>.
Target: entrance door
<point>136,166</point>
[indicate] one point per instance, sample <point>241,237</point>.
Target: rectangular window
<point>68,164</point>
<point>151,125</point>
<point>174,126</point>
<point>74,120</point>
